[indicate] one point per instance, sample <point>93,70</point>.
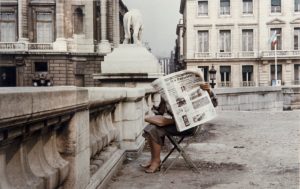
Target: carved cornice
<point>295,21</point>
<point>276,21</point>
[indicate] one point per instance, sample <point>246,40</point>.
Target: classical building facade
<point>60,42</point>
<point>234,37</point>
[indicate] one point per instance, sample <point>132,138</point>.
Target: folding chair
<point>176,145</point>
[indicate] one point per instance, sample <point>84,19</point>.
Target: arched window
<point>78,21</point>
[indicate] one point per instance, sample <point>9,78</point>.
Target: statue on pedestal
<point>133,22</point>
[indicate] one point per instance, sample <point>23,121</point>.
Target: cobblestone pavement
<point>236,150</point>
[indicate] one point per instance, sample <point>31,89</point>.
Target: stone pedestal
<point>129,66</point>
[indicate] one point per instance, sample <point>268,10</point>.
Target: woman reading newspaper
<point>155,133</point>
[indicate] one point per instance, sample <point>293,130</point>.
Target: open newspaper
<point>190,105</point>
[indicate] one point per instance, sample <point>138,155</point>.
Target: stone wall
<point>68,137</point>
<point>250,99</point>
<point>291,97</point>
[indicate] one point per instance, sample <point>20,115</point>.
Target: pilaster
<point>23,21</point>
<point>104,45</point>
<point>60,43</point>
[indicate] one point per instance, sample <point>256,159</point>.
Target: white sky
<point>160,19</point>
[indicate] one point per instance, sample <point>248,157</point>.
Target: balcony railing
<point>247,84</point>
<point>12,46</point>
<point>224,55</point>
<point>40,46</point>
<point>247,54</point>
<point>225,84</point>
<point>280,53</point>
<point>204,55</point>
<point>296,82</point>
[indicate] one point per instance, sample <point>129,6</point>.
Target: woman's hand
<point>206,87</point>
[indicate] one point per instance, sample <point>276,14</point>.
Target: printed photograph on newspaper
<point>190,105</point>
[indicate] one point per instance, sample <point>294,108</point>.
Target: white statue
<point>133,20</point>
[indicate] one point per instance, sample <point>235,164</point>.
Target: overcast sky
<point>160,20</point>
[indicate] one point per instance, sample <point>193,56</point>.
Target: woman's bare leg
<point>155,156</point>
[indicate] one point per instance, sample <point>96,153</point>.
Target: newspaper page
<point>190,105</point>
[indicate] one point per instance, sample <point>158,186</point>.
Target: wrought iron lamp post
<point>212,76</point>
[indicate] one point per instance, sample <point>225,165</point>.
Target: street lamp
<point>212,76</point>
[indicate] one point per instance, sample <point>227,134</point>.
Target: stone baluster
<point>3,170</point>
<point>104,45</point>
<point>23,21</point>
<point>60,44</point>
<point>77,150</point>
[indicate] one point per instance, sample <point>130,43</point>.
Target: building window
<point>297,74</point>
<point>78,21</point>
<point>41,67</point>
<point>224,7</point>
<point>225,41</point>
<point>203,41</point>
<point>247,72</point>
<point>247,40</point>
<point>225,73</point>
<point>297,39</point>
<point>204,69</point>
<point>278,38</point>
<point>247,7</point>
<point>297,5</point>
<point>202,8</point>
<point>44,27</point>
<point>279,72</point>
<point>7,27</point>
<point>275,6</point>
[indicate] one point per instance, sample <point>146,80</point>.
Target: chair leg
<point>171,151</point>
<point>182,152</point>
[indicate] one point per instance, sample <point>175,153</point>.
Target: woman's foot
<point>153,167</point>
<point>145,165</point>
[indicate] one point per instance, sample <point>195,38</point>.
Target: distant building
<point>178,57</point>
<point>233,36</point>
<point>62,42</point>
<point>168,64</point>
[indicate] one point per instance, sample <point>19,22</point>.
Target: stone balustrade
<point>250,99</point>
<point>68,137</point>
<point>291,97</point>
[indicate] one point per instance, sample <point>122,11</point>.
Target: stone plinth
<point>129,66</point>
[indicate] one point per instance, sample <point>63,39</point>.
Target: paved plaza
<point>237,150</point>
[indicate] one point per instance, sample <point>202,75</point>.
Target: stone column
<point>104,45</point>
<point>22,21</point>
<point>60,44</point>
<point>116,26</point>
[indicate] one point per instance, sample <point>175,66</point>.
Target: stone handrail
<point>69,137</point>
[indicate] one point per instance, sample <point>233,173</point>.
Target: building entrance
<point>7,76</point>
